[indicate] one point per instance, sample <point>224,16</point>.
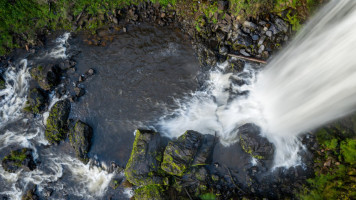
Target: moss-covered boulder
<point>36,101</point>
<point>254,144</point>
<point>151,192</point>
<point>47,76</point>
<point>143,167</point>
<point>19,159</point>
<point>192,148</point>
<point>56,127</point>
<point>2,83</point>
<point>80,135</point>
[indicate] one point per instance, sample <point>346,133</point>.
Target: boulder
<point>154,192</point>
<point>56,127</point>
<point>80,135</point>
<point>143,167</point>
<point>36,100</point>
<point>19,159</point>
<point>254,144</point>
<point>46,76</point>
<point>2,83</point>
<point>190,148</point>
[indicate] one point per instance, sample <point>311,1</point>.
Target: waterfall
<point>309,84</point>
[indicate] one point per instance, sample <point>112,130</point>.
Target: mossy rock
<point>80,135</point>
<point>36,100</point>
<point>179,154</point>
<point>254,144</point>
<point>19,159</point>
<point>151,192</point>
<point>47,76</point>
<point>56,127</point>
<point>143,167</point>
<point>2,83</point>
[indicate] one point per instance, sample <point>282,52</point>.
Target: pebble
<point>269,33</point>
<point>255,37</point>
<point>243,52</point>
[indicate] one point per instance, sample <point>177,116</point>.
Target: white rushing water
<point>85,181</point>
<point>312,82</point>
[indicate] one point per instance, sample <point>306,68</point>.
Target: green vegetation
<point>335,171</point>
<point>149,192</point>
<point>23,20</point>
<point>56,129</point>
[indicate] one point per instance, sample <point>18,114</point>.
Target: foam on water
<point>88,181</point>
<point>312,82</point>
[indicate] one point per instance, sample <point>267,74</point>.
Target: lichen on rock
<point>80,135</point>
<point>143,167</point>
<point>56,127</point>
<point>46,76</point>
<point>19,159</point>
<point>254,144</point>
<point>153,192</point>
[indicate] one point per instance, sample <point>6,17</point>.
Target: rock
<point>281,24</point>
<point>261,40</point>
<point>30,195</point>
<point>154,192</point>
<point>2,83</point>
<point>36,98</point>
<point>90,72</point>
<point>261,49</point>
<point>80,135</point>
<point>223,50</point>
<point>115,20</point>
<point>143,167</point>
<point>47,192</point>
<point>56,127</point>
<point>124,29</point>
<point>81,78</point>
<point>79,91</point>
<point>269,33</point>
<point>243,52</point>
<point>19,159</point>
<point>115,183</point>
<point>254,144</point>
<point>46,76</point>
<point>255,37</point>
<point>250,25</point>
<point>244,40</point>
<point>180,154</point>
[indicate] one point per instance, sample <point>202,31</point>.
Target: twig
<point>248,58</point>
<point>234,181</point>
<point>188,194</point>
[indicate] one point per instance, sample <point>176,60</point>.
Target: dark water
<point>139,74</point>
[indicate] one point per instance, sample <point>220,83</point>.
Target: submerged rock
<point>56,127</point>
<point>143,167</point>
<point>80,138</point>
<point>46,76</point>
<point>2,83</point>
<point>30,195</point>
<point>190,148</point>
<point>19,159</point>
<point>254,144</point>
<point>36,99</point>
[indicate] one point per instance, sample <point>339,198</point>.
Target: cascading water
<point>312,82</point>
<point>86,181</point>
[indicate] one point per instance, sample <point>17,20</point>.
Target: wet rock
<point>155,192</point>
<point>143,167</point>
<point>244,40</point>
<point>223,50</point>
<point>79,91</point>
<point>269,33</point>
<point>56,127</point>
<point>255,37</point>
<point>47,192</point>
<point>81,78</point>
<point>19,159</point>
<point>36,99</point>
<point>2,83</point>
<point>30,195</point>
<point>80,135</point>
<point>46,76</point>
<point>90,72</point>
<point>180,154</point>
<point>254,144</point>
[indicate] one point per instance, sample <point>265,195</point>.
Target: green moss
<point>150,192</point>
<point>17,157</point>
<point>56,129</point>
<point>207,196</point>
